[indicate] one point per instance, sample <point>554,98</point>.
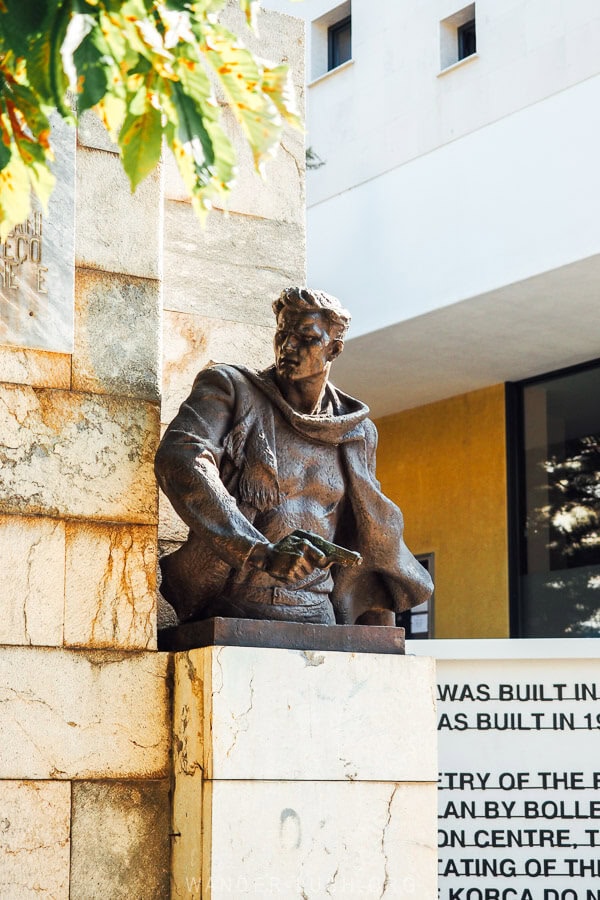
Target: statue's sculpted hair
<point>307,300</point>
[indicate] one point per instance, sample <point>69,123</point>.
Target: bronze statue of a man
<point>253,458</point>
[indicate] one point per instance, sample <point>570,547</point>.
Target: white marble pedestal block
<point>304,774</point>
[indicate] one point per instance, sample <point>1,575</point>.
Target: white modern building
<point>456,214</point>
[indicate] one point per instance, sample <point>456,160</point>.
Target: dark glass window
<point>467,43</point>
<point>559,487</point>
<point>339,43</point>
<point>418,621</point>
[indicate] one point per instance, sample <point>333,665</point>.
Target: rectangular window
<point>458,36</point>
<point>467,43</point>
<point>418,621</point>
<point>331,40</point>
<point>557,493</point>
<point>339,37</point>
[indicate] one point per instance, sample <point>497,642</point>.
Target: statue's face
<point>303,345</point>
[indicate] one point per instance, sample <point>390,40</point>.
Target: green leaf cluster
<point>149,69</point>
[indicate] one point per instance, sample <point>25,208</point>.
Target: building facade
<point>453,208</point>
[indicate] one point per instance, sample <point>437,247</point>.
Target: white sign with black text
<point>519,789</point>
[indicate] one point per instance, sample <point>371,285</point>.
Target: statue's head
<point>306,300</point>
<point>311,326</point>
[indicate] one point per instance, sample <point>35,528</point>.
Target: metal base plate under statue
<point>304,773</point>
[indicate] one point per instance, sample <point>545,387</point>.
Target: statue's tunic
<point>240,466</point>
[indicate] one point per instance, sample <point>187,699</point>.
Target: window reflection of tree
<point>569,516</point>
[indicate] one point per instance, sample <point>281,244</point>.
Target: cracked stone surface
<point>39,368</point>
<point>188,726</point>
<point>92,133</point>
<point>280,38</point>
<point>304,774</point>
<point>280,196</point>
<point>170,527</point>
<point>171,530</point>
<point>120,840</point>
<point>117,231</point>
<point>117,327</point>
<point>110,586</point>
<point>288,714</point>
<point>95,714</point>
<point>322,839</point>
<point>234,268</point>
<point>35,819</point>
<point>190,342</point>
<point>32,580</point>
<point>77,455</point>
<point>188,713</point>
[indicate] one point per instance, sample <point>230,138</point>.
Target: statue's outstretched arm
<point>187,468</point>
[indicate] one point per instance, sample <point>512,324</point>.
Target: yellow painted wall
<point>445,466</point>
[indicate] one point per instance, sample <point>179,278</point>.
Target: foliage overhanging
<point>147,67</point>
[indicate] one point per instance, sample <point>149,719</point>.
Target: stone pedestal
<point>303,774</point>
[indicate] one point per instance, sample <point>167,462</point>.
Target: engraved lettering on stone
<point>37,262</point>
<point>22,275</point>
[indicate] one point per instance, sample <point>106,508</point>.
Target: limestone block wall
<point>84,711</point>
<point>84,696</point>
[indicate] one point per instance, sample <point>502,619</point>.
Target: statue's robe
<point>217,463</point>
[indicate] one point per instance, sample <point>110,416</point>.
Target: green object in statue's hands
<point>334,553</point>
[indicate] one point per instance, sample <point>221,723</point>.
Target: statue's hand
<point>290,559</point>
